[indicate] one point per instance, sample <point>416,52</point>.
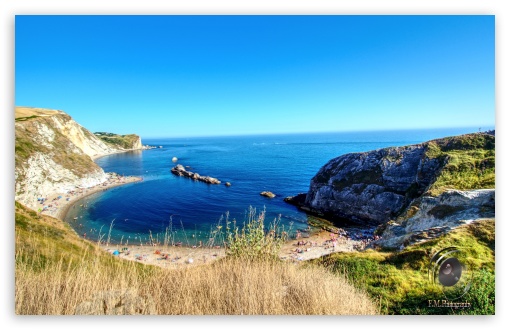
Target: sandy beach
<point>57,205</point>
<point>318,244</point>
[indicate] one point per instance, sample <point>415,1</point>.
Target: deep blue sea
<point>189,210</point>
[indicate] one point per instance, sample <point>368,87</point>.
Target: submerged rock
<point>228,184</point>
<point>268,194</point>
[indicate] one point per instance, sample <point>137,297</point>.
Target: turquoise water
<point>188,211</point>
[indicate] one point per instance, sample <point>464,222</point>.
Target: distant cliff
<point>125,142</point>
<point>372,188</point>
<point>53,153</point>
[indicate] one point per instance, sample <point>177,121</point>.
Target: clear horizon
<point>200,76</point>
<point>472,128</point>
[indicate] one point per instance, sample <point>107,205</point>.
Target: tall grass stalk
<point>253,240</point>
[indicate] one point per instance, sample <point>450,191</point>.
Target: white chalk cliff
<point>54,154</point>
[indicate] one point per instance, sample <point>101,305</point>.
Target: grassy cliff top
<point>26,113</point>
<point>118,141</point>
<point>469,162</point>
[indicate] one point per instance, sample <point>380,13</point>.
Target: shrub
<point>253,241</point>
<point>482,294</point>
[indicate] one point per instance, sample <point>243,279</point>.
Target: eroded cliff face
<point>53,154</point>
<point>372,187</point>
<point>428,216</point>
<point>413,193</point>
<point>138,143</point>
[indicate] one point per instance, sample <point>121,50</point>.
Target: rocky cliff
<point>377,186</point>
<point>372,187</point>
<point>54,154</point>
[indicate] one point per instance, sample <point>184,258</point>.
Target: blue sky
<point>176,76</point>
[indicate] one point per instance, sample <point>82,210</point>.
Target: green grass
<point>399,279</point>
<point>26,118</point>
<point>47,242</point>
<point>469,162</point>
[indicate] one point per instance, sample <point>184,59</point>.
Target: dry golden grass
<point>21,112</point>
<point>228,286</point>
<point>56,271</point>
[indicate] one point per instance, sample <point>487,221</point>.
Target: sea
<point>165,208</point>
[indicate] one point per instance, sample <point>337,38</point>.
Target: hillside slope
<point>53,154</point>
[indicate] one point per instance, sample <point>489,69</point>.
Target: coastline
<point>62,206</point>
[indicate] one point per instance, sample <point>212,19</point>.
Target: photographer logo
<point>448,270</point>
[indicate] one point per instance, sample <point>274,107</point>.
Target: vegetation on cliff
<point>469,160</point>
<point>54,153</point>
<point>399,279</point>
<point>119,141</point>
<point>61,150</point>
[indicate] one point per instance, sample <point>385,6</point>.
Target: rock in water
<point>179,170</point>
<point>298,200</point>
<point>268,194</point>
<point>228,184</point>
<point>174,159</point>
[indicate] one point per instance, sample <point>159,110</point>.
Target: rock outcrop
<point>428,216</point>
<point>179,170</point>
<point>54,154</point>
<point>377,186</point>
<point>371,187</point>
